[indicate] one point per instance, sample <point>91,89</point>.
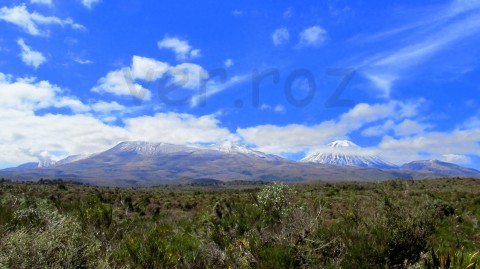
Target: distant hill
<point>439,167</point>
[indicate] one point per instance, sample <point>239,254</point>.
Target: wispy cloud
<point>42,2</point>
<point>89,3</point>
<point>31,22</point>
<point>29,56</point>
<point>213,88</point>
<point>418,42</point>
<point>82,61</point>
<point>182,49</point>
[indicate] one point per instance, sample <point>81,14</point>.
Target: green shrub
<point>162,246</point>
<point>46,239</point>
<point>276,200</point>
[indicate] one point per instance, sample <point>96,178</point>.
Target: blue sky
<point>79,76</point>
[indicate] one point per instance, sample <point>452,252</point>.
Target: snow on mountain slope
<point>150,148</point>
<point>347,153</point>
<point>231,147</point>
<point>71,159</point>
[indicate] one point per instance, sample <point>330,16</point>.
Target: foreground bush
<point>347,225</point>
<point>43,238</point>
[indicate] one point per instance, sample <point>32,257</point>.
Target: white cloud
<point>440,145</point>
<point>42,2</point>
<point>405,128</point>
<point>31,95</point>
<point>471,123</point>
<point>118,83</point>
<point>277,108</point>
<point>176,128</point>
<point>380,129</point>
<point>455,158</point>
<point>82,61</point>
<point>26,136</point>
<point>84,134</point>
<point>280,36</point>
<point>383,82</point>
<point>294,138</point>
<point>75,105</point>
<point>31,22</point>
<point>418,42</point>
<point>107,107</point>
<point>186,76</point>
<point>68,134</point>
<point>148,69</point>
<point>90,3</point>
<point>29,56</point>
<point>314,36</point>
<point>409,127</point>
<point>182,49</point>
<point>214,87</point>
<point>228,63</point>
<point>122,81</point>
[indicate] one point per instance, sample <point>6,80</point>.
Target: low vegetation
<point>392,224</point>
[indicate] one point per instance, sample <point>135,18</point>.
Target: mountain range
<point>144,163</point>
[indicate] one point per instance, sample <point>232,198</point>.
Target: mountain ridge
<point>134,163</point>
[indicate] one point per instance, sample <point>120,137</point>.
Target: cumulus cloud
<point>280,36</point>
<point>118,82</point>
<point>107,107</point>
<point>182,49</point>
<point>32,95</point>
<point>148,69</point>
<point>176,128</point>
<point>314,36</point>
<point>439,145</point>
<point>83,132</point>
<point>32,22</point>
<point>122,81</point>
<point>29,56</point>
<point>294,138</point>
<point>188,75</point>
<point>180,80</point>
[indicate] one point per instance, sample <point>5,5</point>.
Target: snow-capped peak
<point>343,144</point>
<point>346,153</point>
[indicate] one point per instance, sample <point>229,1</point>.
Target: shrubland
<point>391,224</point>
